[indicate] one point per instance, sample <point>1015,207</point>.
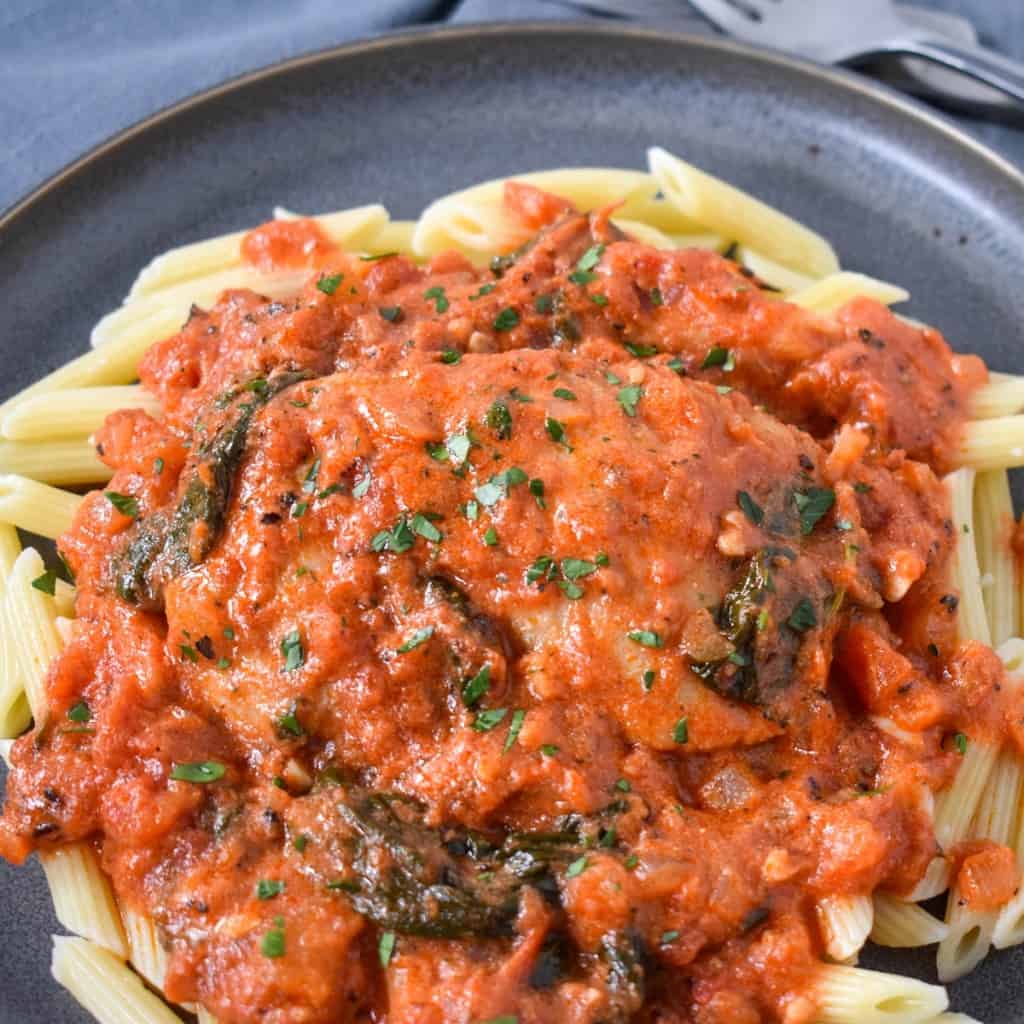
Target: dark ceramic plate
<point>406,118</point>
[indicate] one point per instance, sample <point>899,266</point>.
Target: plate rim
<point>850,81</point>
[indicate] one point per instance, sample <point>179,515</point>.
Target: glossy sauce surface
<point>555,635</point>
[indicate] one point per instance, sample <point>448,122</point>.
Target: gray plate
<point>406,118</point>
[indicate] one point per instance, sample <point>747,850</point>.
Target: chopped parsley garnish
<point>385,948</point>
<point>300,842</point>
<point>79,712</point>
<point>656,299</point>
<point>645,637</point>
<point>750,508</point>
<point>188,652</point>
<point>422,525</point>
<point>506,320</point>
<point>544,303</point>
<point>803,616</point>
<point>475,687</point>
<point>440,299</point>
<point>631,862</point>
<point>648,679</point>
<point>391,313</point>
<point>602,558</point>
<point>291,650</point>
<point>590,258</point>
<point>675,364</point>
<point>862,488</point>
<point>577,867</point>
<point>844,525</point>
<point>397,539</point>
<point>328,283</point>
<point>497,487</point>
<point>543,568</point>
<point>514,729</point>
<point>370,257</point>
<point>451,356</point>
<point>299,509</point>
<point>491,537</point>
<point>640,351</point>
<point>362,485</point>
<point>611,377</point>
<point>812,505</point>
<point>229,633</point>
<point>565,393</point>
<point>599,300</point>
<point>485,289</point>
<point>723,389</point>
<point>198,771</point>
<point>573,591</point>
<point>549,749</point>
<point>537,490</point>
<point>421,636</point>
<point>718,356</point>
<point>582,276</point>
<point>485,721</point>
<point>670,936</point>
<point>472,510</point>
<point>126,504</point>
<point>960,740</point>
<point>158,465</point>
<point>576,568</point>
<point>505,1018</point>
<point>290,724</point>
<point>629,397</point>
<point>499,419</point>
<point>309,482</point>
<point>681,732</point>
<point>47,582</point>
<point>268,888</point>
<point>517,396</point>
<point>555,429</point>
<point>273,944</point>
<point>624,785</point>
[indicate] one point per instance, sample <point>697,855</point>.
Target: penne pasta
<point>845,925</point>
<point>14,711</point>
<point>971,618</point>
<point>836,290</point>
<point>852,995</point>
<point>38,508</point>
<point>30,627</point>
<point>82,897</point>
<point>902,925</point>
<point>61,463</point>
<point>103,985</point>
<point>772,272</point>
<point>993,527</point>
<point>1003,395</point>
<point>996,443</point>
<point>74,412</point>
<point>728,211</point>
<point>393,236</point>
<point>145,951</point>
<point>348,228</point>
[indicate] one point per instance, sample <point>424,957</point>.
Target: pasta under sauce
<point>536,643</point>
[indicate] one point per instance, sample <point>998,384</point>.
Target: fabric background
<point>74,73</point>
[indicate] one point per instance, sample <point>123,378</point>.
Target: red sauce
<point>287,245</point>
<point>541,636</point>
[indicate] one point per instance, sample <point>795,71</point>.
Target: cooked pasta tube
<point>38,508</point>
<point>103,985</point>
<point>392,236</point>
<point>772,272</point>
<point>903,925</point>
<point>996,443</point>
<point>151,318</point>
<point>728,211</point>
<point>74,412</point>
<point>82,897</point>
<point>993,526</point>
<point>972,620</point>
<point>853,995</point>
<point>1003,395</point>
<point>348,228</point>
<point>845,923</point>
<point>29,626</point>
<point>65,462</point>
<point>14,711</point>
<point>834,291</point>
<point>145,951</point>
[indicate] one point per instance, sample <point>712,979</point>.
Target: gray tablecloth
<point>73,74</point>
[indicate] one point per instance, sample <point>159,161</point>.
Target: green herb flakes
<point>292,651</point>
<point>515,727</point>
<point>79,712</point>
<point>328,283</point>
<point>812,505</point>
<point>645,638</point>
<point>391,313</point>
<point>198,771</point>
<point>750,508</point>
<point>485,721</point>
<point>803,616</point>
<point>451,356</point>
<point>681,731</point>
<point>629,397</point>
<point>577,867</point>
<point>440,299</point>
<point>47,582</point>
<point>268,888</point>
<point>126,504</point>
<point>506,319</point>
<point>273,944</point>
<point>420,637</point>
<point>385,948</point>
<point>476,686</point>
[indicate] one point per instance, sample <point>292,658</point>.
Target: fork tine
<point>725,15</point>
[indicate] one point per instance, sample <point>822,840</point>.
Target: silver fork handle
<point>976,62</point>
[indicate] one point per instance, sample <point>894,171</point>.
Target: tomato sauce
<point>539,641</point>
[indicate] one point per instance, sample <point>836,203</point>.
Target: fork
<point>829,32</point>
